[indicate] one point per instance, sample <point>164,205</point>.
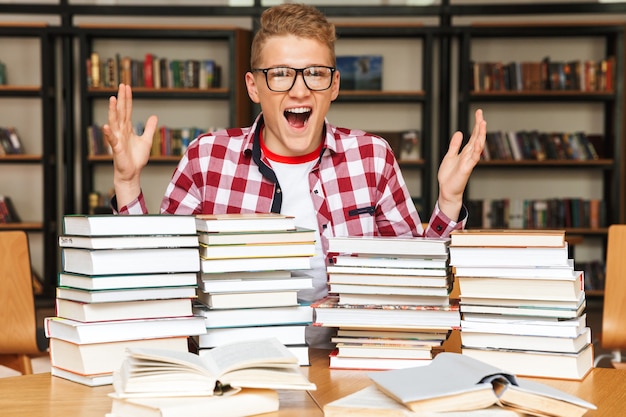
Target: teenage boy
<point>292,160</point>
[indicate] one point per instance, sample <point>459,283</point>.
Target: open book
<point>454,382</point>
<point>264,363</point>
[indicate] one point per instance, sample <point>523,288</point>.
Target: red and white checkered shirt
<point>356,185</point>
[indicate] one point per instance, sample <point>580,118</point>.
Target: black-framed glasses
<point>281,79</point>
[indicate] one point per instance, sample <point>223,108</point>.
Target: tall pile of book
<point>522,303</point>
<point>252,267</point>
<point>127,282</point>
<point>389,300</point>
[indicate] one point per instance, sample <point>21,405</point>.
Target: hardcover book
<point>116,225</point>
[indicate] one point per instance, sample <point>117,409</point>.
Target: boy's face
<point>294,119</point>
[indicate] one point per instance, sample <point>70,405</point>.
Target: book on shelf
<point>243,285</point>
<point>454,382</point>
<point>533,363</point>
<point>474,339</point>
<point>389,261</point>
<point>255,264</point>
<point>105,357</point>
<point>410,146</point>
<point>97,380</point>
<point>263,363</point>
<point>244,222</point>
<point>388,245</point>
<point>297,235</point>
<point>129,261</point>
<point>120,225</point>
<point>541,289</point>
<point>508,237</point>
<point>10,141</point>
<point>265,316</point>
<point>329,313</point>
<point>256,299</point>
<point>388,290</point>
<point>381,364</point>
<point>119,330</point>
<point>372,402</point>
<point>125,294</point>
<point>246,402</point>
<point>110,282</point>
<point>129,242</point>
<point>272,250</point>
<point>389,280</point>
<point>286,334</point>
<point>393,299</point>
<point>530,326</point>
<point>8,212</point>
<point>123,310</point>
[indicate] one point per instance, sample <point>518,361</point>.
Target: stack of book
<point>252,267</point>
<point>522,302</point>
<point>389,300</point>
<point>127,281</point>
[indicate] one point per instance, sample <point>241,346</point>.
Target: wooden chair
<point>613,335</point>
<point>18,327</point>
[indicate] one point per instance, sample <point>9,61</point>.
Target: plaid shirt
<point>356,185</point>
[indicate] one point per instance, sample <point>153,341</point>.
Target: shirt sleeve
<point>441,225</point>
<point>137,206</point>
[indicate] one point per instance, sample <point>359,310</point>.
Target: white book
<point>121,225</point>
<point>129,242</point>
<point>125,294</point>
<point>256,264</point>
<point>286,334</point>
<point>123,310</point>
<point>112,331</point>
<point>387,245</point>
<point>427,272</point>
<point>530,326</point>
<point>89,380</point>
<point>298,314</point>
<point>130,261</point>
<point>256,299</point>
<point>243,285</point>
<point>110,282</point>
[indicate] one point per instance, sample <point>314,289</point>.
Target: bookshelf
<point>596,113</point>
<point>205,107</point>
<point>404,102</point>
<point>29,179</point>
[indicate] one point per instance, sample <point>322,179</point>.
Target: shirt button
<point>439,228</point>
<point>278,191</point>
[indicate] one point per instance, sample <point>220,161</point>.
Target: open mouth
<point>297,117</point>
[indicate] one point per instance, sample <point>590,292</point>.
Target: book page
<point>262,353</point>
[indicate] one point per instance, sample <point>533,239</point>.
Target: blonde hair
<point>300,20</point>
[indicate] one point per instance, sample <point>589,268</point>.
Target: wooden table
<point>42,395</point>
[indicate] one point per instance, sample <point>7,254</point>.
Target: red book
<point>148,77</point>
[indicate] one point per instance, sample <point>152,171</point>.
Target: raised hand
<point>130,151</point>
<point>456,167</point>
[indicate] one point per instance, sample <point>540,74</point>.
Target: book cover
<point>117,225</point>
<point>297,235</point>
<point>455,382</point>
<point>390,245</point>
<point>110,282</point>
<point>129,242</point>
<point>265,316</point>
<point>244,222</point>
<point>272,250</point>
<point>330,313</point>
<point>125,294</point>
<point>123,310</point>
<point>255,264</point>
<point>508,237</point>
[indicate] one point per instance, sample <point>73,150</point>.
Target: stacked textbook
<point>252,267</point>
<point>389,300</point>
<point>522,302</point>
<point>127,282</point>
<point>456,385</point>
<point>233,380</point>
